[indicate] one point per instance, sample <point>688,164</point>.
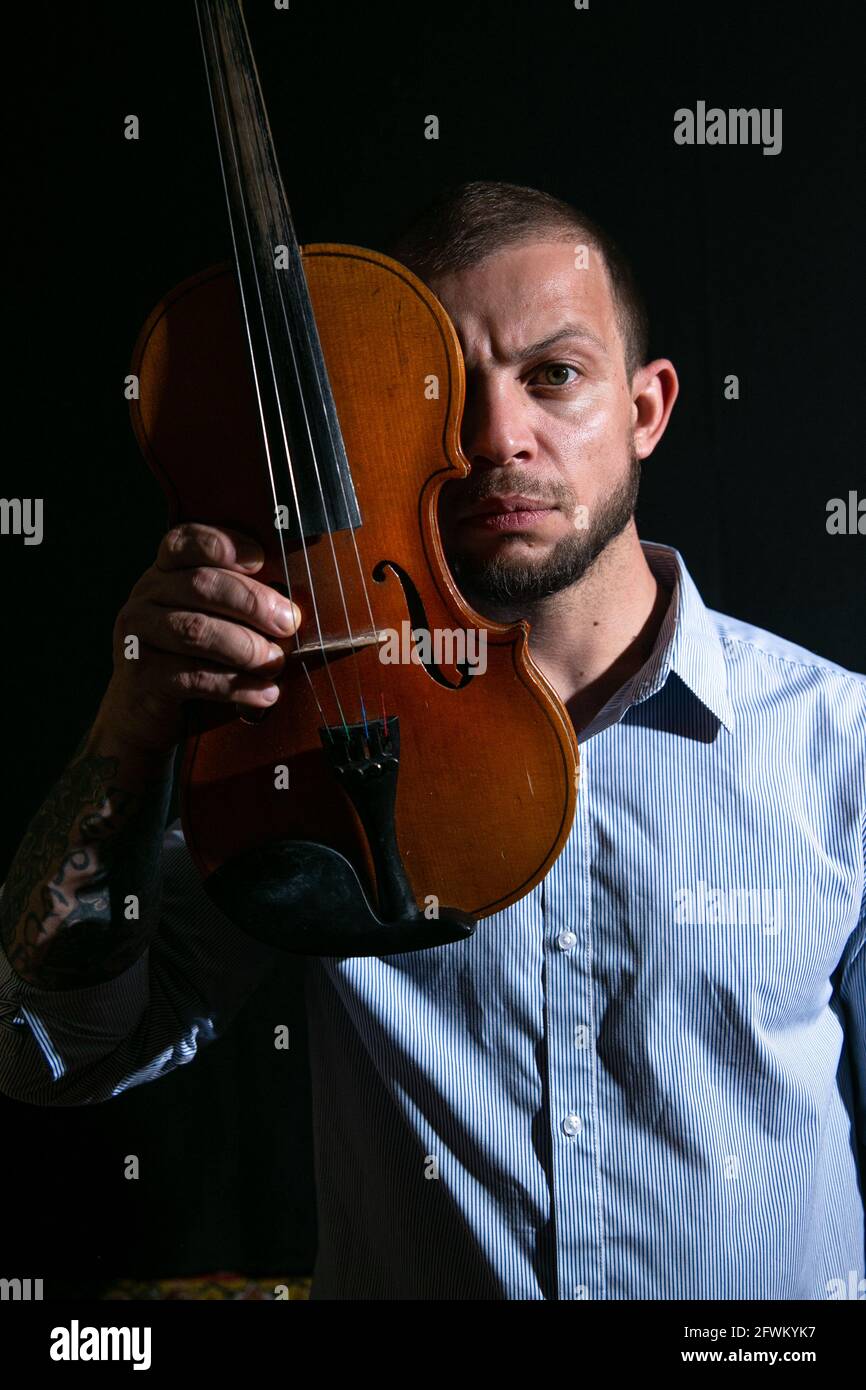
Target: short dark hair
<point>469,221</point>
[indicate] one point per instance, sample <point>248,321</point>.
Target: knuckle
<point>193,628</point>
<point>203,682</point>
<point>176,540</point>
<point>191,682</point>
<point>211,546</point>
<point>205,583</point>
<point>247,602</point>
<point>251,646</point>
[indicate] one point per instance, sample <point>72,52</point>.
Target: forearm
<point>81,899</point>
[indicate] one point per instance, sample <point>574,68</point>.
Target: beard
<point>509,580</point>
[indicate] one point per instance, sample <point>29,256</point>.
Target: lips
<point>507,515</point>
<point>492,506</point>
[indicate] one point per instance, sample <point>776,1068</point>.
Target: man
<point>645,1080</point>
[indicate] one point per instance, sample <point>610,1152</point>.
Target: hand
<point>205,631</point>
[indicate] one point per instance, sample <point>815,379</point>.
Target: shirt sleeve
<point>852,996</point>
<point>852,992</point>
<point>82,1046</point>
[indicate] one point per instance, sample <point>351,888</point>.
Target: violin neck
<point>306,457</point>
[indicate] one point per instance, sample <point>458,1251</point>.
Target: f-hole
<point>418,619</point>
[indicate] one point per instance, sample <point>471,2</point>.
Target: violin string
<point>374,626</point>
<point>263,422</point>
<point>288,233</point>
<point>241,290</point>
<point>322,498</point>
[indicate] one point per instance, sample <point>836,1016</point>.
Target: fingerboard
<point>306,457</point>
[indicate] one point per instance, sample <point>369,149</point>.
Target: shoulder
<point>795,698</point>
<point>775,658</point>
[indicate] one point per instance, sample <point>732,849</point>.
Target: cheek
<point>591,430</point>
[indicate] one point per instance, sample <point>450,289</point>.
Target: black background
<point>752,265</point>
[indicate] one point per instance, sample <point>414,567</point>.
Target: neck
<point>589,639</point>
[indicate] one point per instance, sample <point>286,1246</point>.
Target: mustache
<point>549,494</point>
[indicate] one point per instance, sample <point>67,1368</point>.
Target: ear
<point>654,389</point>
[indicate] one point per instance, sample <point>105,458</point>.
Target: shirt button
<point>572,1125</point>
<point>566,941</point>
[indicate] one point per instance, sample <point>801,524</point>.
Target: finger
<point>195,543</point>
<point>171,679</point>
<point>203,637</point>
<point>228,595</point>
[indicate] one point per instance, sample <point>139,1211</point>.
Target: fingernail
<point>285,616</point>
<point>248,554</point>
<point>271,693</point>
<point>275,653</point>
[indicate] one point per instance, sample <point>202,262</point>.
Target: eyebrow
<point>568,330</point>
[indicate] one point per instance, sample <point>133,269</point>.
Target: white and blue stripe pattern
<point>646,1080</point>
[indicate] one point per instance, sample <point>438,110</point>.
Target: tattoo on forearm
<point>90,845</point>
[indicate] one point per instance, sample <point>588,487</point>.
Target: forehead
<point>522,294</point>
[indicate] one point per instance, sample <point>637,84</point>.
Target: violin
<point>380,805</point>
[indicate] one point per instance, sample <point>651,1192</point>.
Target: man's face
<point>548,424</point>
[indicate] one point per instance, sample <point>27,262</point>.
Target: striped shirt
<point>645,1080</point>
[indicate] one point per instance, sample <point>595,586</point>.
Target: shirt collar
<point>688,644</point>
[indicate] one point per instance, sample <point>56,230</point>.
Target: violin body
<point>487,779</point>
<point>400,788</point>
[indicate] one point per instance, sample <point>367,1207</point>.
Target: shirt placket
<point>572,1058</point>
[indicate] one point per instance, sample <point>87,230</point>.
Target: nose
<point>496,427</point>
